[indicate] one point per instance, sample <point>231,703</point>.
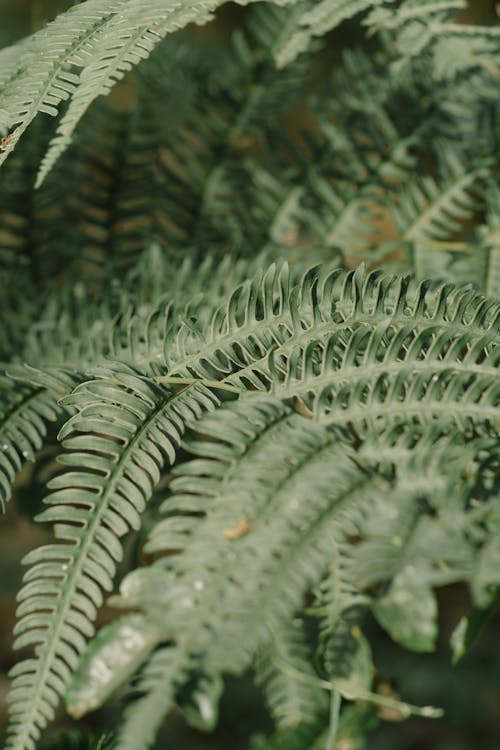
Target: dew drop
<point>199,585</point>
<point>64,567</point>
<point>5,447</point>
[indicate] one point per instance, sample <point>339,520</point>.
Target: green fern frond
<point>283,666</point>
<point>121,436</point>
<point>317,19</point>
<point>102,44</point>
<point>23,418</point>
<point>370,376</point>
<point>435,210</point>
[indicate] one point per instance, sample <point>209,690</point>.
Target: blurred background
<point>468,692</point>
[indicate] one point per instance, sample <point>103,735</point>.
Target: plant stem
<point>335,702</point>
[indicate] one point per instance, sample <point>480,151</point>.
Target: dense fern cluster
<point>296,446</point>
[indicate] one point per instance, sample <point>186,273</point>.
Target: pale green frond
<point>81,55</point>
<point>166,670</point>
<point>217,522</point>
<point>283,667</point>
<point>44,76</point>
<point>114,656</point>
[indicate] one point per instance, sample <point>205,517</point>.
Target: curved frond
<point>124,431</point>
<point>283,667</point>
<point>23,416</point>
<point>431,210</point>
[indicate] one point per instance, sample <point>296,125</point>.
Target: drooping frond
<point>124,431</point>
<point>283,668</point>
<point>94,46</point>
<point>23,417</point>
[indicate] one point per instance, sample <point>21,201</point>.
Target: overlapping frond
<point>211,536</point>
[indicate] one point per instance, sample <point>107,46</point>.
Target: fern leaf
<point>26,93</point>
<point>357,377</point>
<point>121,436</point>
<point>165,671</point>
<point>23,427</point>
<point>317,19</point>
<point>432,210</point>
<point>283,668</point>
<point>104,42</point>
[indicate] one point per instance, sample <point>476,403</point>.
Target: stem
<point>335,701</point>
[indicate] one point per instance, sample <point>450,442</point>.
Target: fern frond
<point>103,43</point>
<point>435,210</point>
<point>120,438</point>
<point>371,376</point>
<point>166,671</point>
<point>23,416</point>
<point>316,20</point>
<point>283,666</point>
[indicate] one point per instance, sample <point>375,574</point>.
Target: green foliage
<point>298,448</point>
